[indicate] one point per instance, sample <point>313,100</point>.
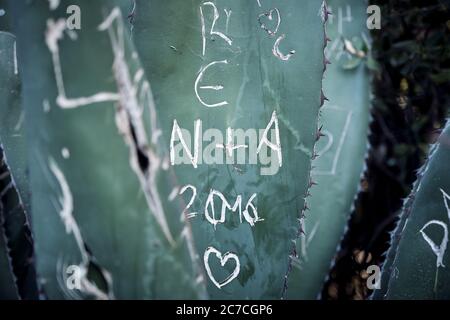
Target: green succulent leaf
<point>341,150</point>
<point>104,227</point>
<point>415,266</point>
<point>239,65</point>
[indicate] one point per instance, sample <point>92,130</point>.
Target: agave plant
<point>87,195</point>
<point>341,151</point>
<point>172,148</point>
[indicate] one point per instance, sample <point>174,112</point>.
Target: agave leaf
<point>251,58</point>
<point>341,151</point>
<point>103,226</point>
<point>415,266</point>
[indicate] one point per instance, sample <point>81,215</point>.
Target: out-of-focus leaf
<point>415,266</point>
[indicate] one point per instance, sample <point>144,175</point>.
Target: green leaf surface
<point>416,263</point>
<point>103,225</point>
<point>341,150</point>
<point>261,57</point>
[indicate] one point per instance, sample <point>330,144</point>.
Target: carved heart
<point>270,17</point>
<point>223,260</point>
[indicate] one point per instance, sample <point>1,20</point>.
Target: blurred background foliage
<point>411,87</point>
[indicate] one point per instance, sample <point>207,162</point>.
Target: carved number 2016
<point>250,212</point>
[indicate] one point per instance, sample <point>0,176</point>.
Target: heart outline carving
<point>223,260</point>
<point>269,16</point>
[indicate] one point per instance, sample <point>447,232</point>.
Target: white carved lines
<point>133,96</point>
<point>66,215</point>
<point>213,31</point>
<point>438,250</point>
<point>213,87</point>
<point>331,168</point>
<point>55,33</point>
<point>223,260</point>
<point>273,31</point>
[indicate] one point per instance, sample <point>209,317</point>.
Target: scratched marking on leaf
<point>276,49</point>
<point>54,34</point>
<point>341,19</point>
<point>237,206</point>
<point>16,69</point>
<point>223,260</point>
<point>66,215</point>
<point>227,23</point>
<point>276,46</point>
<point>327,147</point>
<point>129,119</point>
<point>305,241</point>
<point>269,15</point>
<point>446,198</point>
<point>230,146</point>
<point>439,251</point>
<point>331,166</point>
<point>131,101</point>
<point>212,31</point>
<point>186,214</point>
